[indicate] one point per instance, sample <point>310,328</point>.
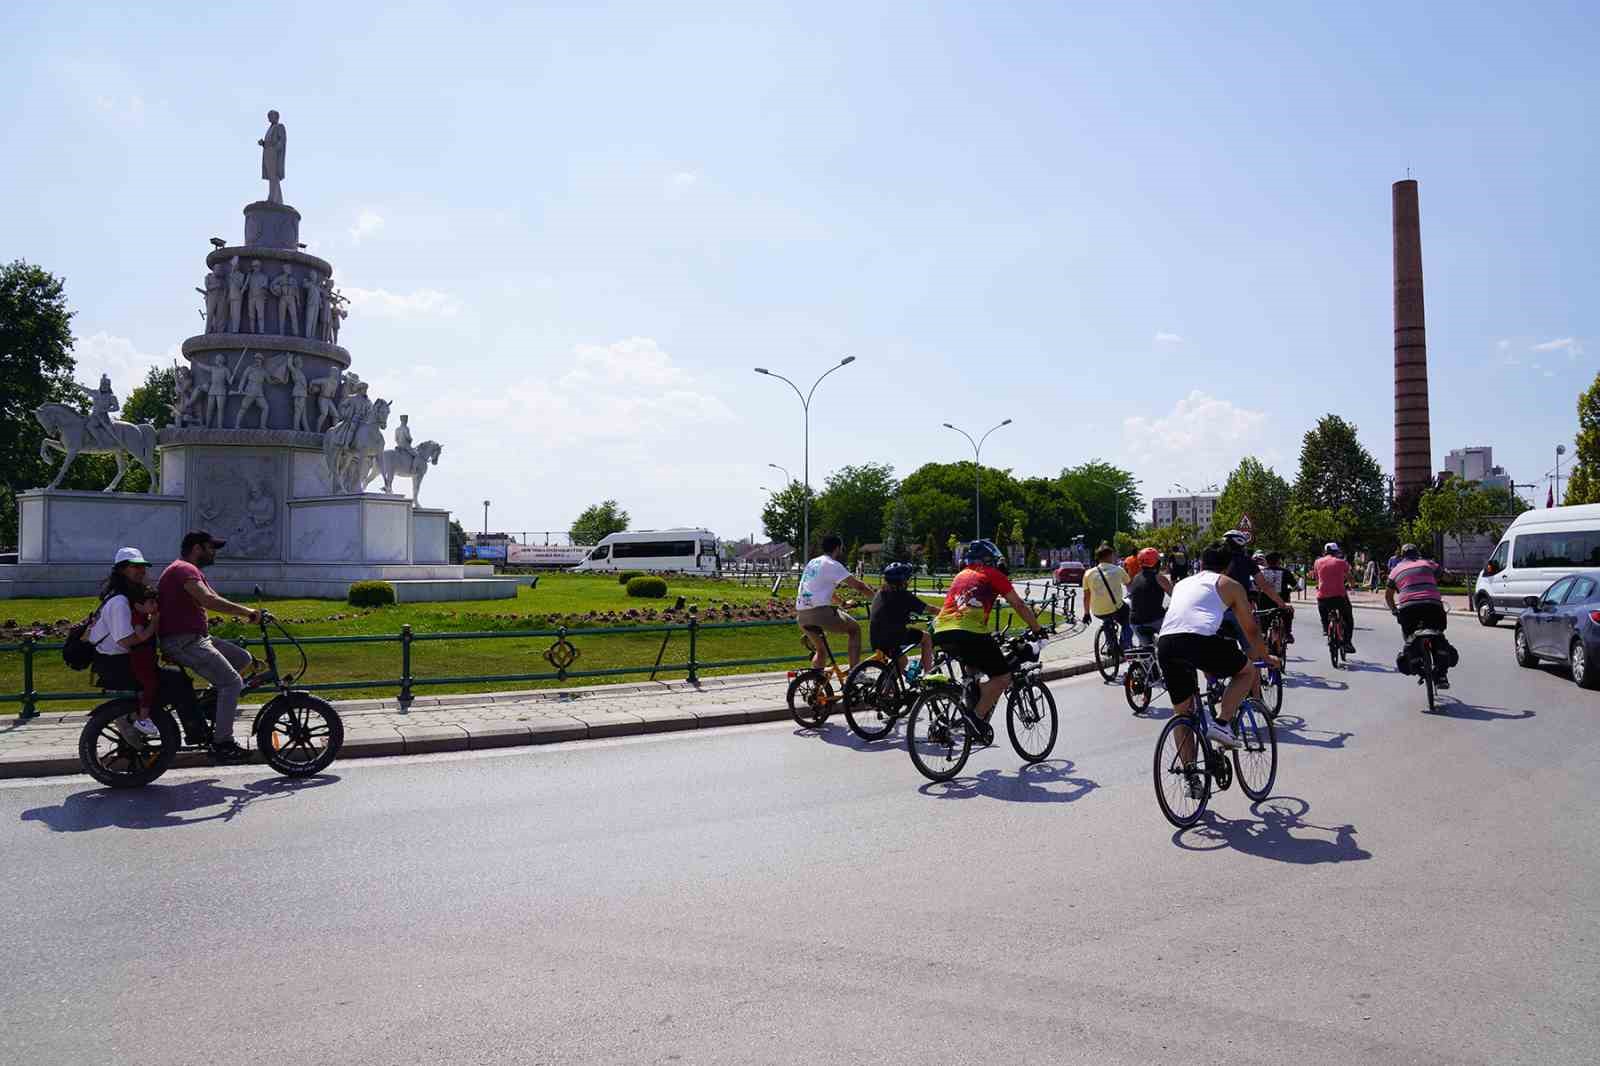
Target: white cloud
<point>107,88</point>
<point>1199,441</point>
<point>367,223</point>
<point>1163,337</point>
<point>1503,344</point>
<point>1571,345</point>
<point>117,357</point>
<point>415,304</point>
<point>682,181</point>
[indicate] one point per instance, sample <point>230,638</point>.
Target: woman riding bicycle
<point>1147,595</point>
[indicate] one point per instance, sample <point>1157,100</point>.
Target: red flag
<point>1550,497</point>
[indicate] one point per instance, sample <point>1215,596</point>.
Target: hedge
<point>371,593</point>
<point>649,588</point>
<point>628,575</point>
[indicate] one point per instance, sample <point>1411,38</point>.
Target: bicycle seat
<point>1415,633</point>
<point>813,629</point>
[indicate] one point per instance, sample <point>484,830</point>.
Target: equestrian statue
<point>73,434</point>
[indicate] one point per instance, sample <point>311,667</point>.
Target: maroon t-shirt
<point>179,613</point>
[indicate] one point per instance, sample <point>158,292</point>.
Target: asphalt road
<point>1420,889</point>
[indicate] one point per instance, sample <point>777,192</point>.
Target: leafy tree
<point>1049,512</point>
<point>1124,543</point>
<point>955,481</point>
<point>1258,491</point>
<point>1018,538</point>
<point>1170,538</point>
<point>783,517</point>
<point>1106,495</point>
<point>152,400</point>
<point>897,534</point>
<point>597,521</point>
<point>950,549</point>
<point>1336,473</point>
<point>1584,487</point>
<point>1309,528</point>
<point>1457,509</point>
<point>853,500</point>
<point>35,367</point>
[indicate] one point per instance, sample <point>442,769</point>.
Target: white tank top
<point>1196,606</point>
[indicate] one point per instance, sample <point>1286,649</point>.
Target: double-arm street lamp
<point>805,405</point>
<point>787,477</point>
<point>977,475</point>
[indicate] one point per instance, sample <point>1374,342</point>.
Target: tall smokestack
<point>1413,448</point>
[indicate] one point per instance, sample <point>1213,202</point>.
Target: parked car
<point>1070,574</point>
<point>1537,549</point>
<point>1563,625</point>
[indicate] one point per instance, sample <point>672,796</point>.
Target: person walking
<point>186,597</point>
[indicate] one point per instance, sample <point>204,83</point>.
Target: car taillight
<point>1594,616</point>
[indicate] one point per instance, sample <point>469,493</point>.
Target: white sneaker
<point>147,727</point>
<point>1221,735</point>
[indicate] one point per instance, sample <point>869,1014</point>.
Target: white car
<point>1538,549</point>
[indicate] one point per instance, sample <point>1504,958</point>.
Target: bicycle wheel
<point>937,734</point>
<point>1183,786</point>
<point>299,735</point>
<point>1106,654</point>
<point>871,700</point>
<point>1031,720</point>
<point>116,754</point>
<point>1255,762</point>
<point>809,698</point>
<point>1425,664</point>
<point>1136,686</point>
<point>1271,691</point>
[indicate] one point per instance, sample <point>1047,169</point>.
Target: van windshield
<point>1579,547</point>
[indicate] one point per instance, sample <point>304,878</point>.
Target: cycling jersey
<point>972,593</point>
<point>1415,581</point>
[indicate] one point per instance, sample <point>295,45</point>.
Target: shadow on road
<point>1449,707</point>
<point>1363,667</point>
<point>1279,832</point>
<point>1314,682</point>
<point>840,736</point>
<point>1046,782</point>
<point>164,806</point>
<point>1292,729</point>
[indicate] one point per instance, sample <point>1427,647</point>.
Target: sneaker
<point>1197,786</point>
<point>229,751</point>
<point>1441,683</point>
<point>983,734</point>
<point>1221,734</point>
<point>1349,648</point>
<point>147,727</point>
<point>1290,638</point>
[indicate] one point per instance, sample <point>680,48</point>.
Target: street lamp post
<point>805,406</point>
<point>787,477</point>
<point>486,518</point>
<point>1561,449</point>
<point>977,474</point>
<point>1116,512</point>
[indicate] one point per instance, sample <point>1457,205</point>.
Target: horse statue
<point>67,431</point>
<point>350,465</point>
<point>393,462</point>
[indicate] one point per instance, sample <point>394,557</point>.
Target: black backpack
<point>77,652</point>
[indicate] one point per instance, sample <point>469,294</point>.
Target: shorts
<point>975,651</point>
<point>1181,654</point>
<point>829,619</point>
<point>894,644</point>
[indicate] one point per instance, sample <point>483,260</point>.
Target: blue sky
<point>1154,234</point>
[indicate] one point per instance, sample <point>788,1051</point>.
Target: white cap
<point>1331,548</point>
<point>129,555</point>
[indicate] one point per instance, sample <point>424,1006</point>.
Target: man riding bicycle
<point>1191,640</point>
<point>962,626</point>
<point>1103,586</point>
<point>892,609</point>
<point>1332,573</point>
<point>813,601</point>
<point>1147,596</point>
<point>1414,584</point>
<point>1277,577</point>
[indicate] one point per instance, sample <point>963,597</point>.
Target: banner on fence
<point>545,554</point>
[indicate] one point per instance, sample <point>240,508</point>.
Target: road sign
<point>1245,525</point>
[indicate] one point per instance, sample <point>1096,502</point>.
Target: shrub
<point>628,575</point>
<point>649,588</point>
<point>371,593</point>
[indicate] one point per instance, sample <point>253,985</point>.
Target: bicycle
<point>1144,676</point>
<point>1420,651</point>
<point>1272,627</point>
<point>1188,768</point>
<point>296,733</point>
<point>811,694</point>
<point>1337,639</point>
<point>1108,648</point>
<point>943,721</point>
<point>877,693</point>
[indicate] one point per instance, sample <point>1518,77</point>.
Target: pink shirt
<point>179,613</point>
<point>1332,572</point>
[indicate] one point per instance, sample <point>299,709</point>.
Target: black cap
<point>199,536</point>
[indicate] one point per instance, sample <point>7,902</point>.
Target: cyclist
<point>1103,586</point>
<point>813,602</point>
<point>1147,595</point>
<point>1242,568</point>
<point>1191,639</point>
<point>961,627</point>
<point>1332,573</point>
<point>892,608</point>
<point>1414,584</point>
<point>1275,575</point>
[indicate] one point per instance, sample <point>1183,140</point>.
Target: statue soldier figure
<point>274,146</point>
<point>102,402</point>
<point>236,283</point>
<point>182,395</point>
<point>402,440</point>
<point>336,312</point>
<point>313,287</point>
<point>354,410</point>
<point>258,284</point>
<point>253,378</point>
<point>215,287</point>
<point>297,391</point>
<point>287,290</point>
<point>327,388</point>
<point>216,390</point>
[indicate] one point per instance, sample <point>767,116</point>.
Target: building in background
<point>1193,510</point>
<point>1476,463</point>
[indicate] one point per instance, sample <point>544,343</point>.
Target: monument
<point>273,446</point>
<point>1413,447</point>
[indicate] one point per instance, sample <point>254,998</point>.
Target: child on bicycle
<point>142,656</point>
<point>893,607</point>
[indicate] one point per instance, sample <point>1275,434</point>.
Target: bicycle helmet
<point>1409,551</point>
<point>1240,537</point>
<point>898,573</point>
<point>1149,558</point>
<point>981,551</point>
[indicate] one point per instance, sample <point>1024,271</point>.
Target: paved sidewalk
<point>48,745</point>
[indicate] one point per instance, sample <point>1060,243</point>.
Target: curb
<point>422,738</point>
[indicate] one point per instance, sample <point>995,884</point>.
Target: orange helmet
<point>1149,558</point>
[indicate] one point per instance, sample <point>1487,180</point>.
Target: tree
<point>783,517</point>
<point>1457,509</point>
<point>897,534</point>
<point>1336,473</point>
<point>1124,544</point>
<point>853,500</point>
<point>597,521</point>
<point>35,367</point>
<point>1049,512</point>
<point>1169,538</point>
<point>1018,537</point>
<point>1584,486</point>
<point>1106,495</point>
<point>1310,528</point>
<point>1258,491</point>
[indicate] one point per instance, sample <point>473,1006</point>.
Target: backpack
<point>77,652</point>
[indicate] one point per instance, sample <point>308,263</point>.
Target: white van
<point>1537,549</point>
<point>689,551</point>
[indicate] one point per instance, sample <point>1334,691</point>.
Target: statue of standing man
<point>313,290</point>
<point>236,286</point>
<point>287,290</point>
<point>257,283</point>
<point>273,147</point>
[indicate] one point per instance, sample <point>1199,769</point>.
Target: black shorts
<point>893,644</point>
<point>1429,614</point>
<point>975,651</point>
<point>1181,654</point>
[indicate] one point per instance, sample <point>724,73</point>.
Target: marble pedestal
<point>61,526</point>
